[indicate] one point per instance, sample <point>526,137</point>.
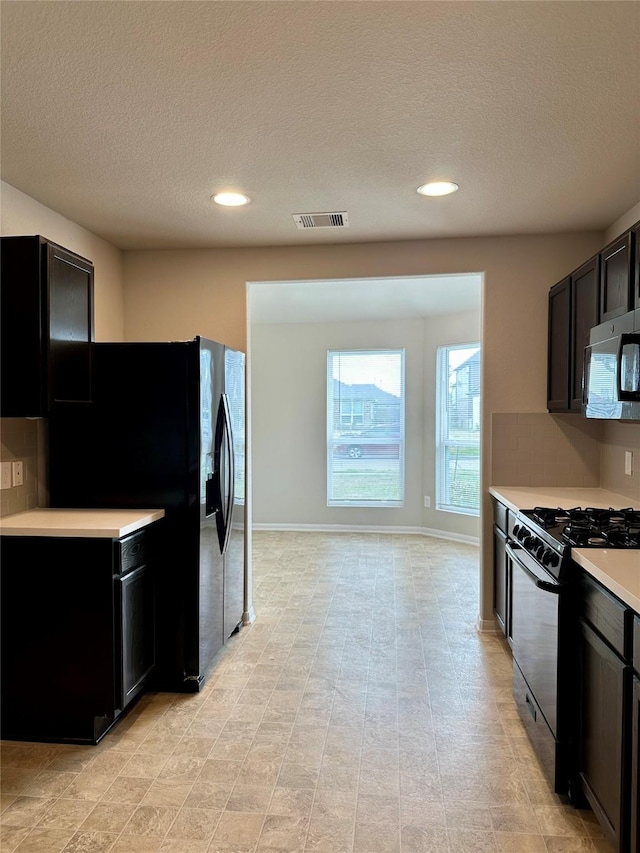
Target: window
<point>365,428</point>
<point>458,429</point>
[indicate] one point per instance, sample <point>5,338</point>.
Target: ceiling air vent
<point>322,220</point>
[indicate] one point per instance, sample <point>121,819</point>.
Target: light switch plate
<point>5,475</point>
<point>17,473</point>
<point>628,462</point>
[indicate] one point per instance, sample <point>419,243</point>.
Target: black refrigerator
<point>166,429</point>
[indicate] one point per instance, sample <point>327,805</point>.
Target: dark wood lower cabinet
<point>77,634</point>
<point>500,580</point>
<point>634,806</point>
<point>135,600</point>
<point>501,569</point>
<point>603,748</point>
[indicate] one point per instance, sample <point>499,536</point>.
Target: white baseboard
<point>368,528</point>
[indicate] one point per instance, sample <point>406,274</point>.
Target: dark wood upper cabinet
<point>636,265</point>
<point>559,346</point>
<point>616,277</point>
<point>604,287</point>
<point>584,316</point>
<point>46,324</point>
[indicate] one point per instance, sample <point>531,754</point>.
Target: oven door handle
<point>543,583</point>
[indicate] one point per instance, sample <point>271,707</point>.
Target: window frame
<point>443,441</point>
<point>330,417</point>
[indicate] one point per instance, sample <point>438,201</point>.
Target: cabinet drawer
<point>500,515</point>
<point>612,619</point>
<point>132,552</point>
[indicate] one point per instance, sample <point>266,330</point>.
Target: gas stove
<point>549,533</point>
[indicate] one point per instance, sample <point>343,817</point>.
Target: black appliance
<point>166,429</point>
<point>611,388</point>
<point>543,621</point>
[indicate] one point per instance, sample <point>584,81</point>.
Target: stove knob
<point>516,530</point>
<point>547,557</point>
<point>528,542</point>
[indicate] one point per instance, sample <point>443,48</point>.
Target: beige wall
<point>177,294</point>
<point>22,215</point>
<point>288,389</point>
<point>630,218</point>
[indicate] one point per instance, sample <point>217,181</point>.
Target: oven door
<point>535,622</point>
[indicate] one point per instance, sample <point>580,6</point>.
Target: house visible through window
<point>365,428</point>
<point>458,429</point>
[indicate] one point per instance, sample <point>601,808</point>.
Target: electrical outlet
<point>5,475</point>
<point>427,501</point>
<point>17,473</point>
<point>628,462</point>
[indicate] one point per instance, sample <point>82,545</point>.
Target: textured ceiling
<point>127,116</point>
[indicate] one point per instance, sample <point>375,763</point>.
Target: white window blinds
<point>365,428</point>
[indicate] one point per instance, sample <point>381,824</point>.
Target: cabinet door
<point>635,767</point>
<point>584,316</point>
<point>70,303</point>
<point>137,614</point>
<point>500,587</point>
<point>616,277</point>
<point>558,347</point>
<point>601,764</point>
<point>46,317</point>
<point>636,265</point>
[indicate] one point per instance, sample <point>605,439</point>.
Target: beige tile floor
<point>361,712</point>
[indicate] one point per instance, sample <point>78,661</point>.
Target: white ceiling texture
<point>127,116</point>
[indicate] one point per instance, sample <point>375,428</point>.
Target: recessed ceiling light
<point>231,199</point>
<point>438,188</point>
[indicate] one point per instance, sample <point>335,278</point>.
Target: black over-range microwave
<point>611,378</point>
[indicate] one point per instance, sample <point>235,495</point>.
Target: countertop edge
<point>92,526</point>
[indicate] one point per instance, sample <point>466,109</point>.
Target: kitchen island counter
<point>79,523</point>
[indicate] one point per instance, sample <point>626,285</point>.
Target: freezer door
<point>210,601</point>
<point>234,555</point>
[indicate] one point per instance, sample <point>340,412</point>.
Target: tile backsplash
<point>538,449</point>
<point>616,439</point>
<point>19,439</point>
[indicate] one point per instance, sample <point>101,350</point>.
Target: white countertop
<point>528,497</point>
<point>618,569</point>
<point>83,523</point>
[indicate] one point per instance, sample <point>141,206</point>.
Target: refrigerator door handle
<point>214,505</point>
<point>229,471</point>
